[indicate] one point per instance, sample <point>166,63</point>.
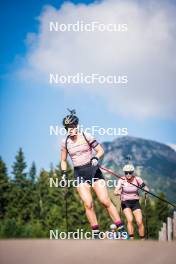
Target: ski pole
<point>66,216</point>
<point>146,217</point>
<point>66,207</point>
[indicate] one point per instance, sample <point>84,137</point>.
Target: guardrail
<point>168,230</point>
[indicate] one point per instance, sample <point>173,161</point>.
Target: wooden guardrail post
<point>174,226</point>
<point>163,233</point>
<point>169,228</point>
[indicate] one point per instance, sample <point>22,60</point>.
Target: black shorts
<point>87,173</point>
<point>132,204</point>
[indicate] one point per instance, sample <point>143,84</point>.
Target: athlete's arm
<point>63,159</point>
<point>99,151</point>
<point>146,188</point>
<point>93,143</point>
<point>142,184</point>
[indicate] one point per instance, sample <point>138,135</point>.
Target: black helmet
<point>70,120</point>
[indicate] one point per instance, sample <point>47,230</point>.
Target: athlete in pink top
<point>85,152</point>
<point>130,199</point>
<point>80,151</point>
<point>129,191</point>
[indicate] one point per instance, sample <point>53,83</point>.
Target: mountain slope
<point>155,162</point>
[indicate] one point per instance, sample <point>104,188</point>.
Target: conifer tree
<point>32,172</point>
<point>4,188</point>
<point>20,190</point>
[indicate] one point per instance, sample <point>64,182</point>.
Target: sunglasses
<point>70,126</point>
<point>128,172</point>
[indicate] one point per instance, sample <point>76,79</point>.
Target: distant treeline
<point>30,208</point>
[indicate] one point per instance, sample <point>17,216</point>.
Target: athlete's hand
<point>64,175</point>
<point>146,189</point>
<point>94,161</point>
<point>115,192</point>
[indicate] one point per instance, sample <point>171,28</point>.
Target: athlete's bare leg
<point>99,187</point>
<point>138,217</point>
<point>84,190</point>
<point>129,216</point>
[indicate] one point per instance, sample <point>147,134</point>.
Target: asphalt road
<point>86,252</point>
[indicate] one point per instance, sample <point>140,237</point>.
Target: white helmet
<point>128,168</point>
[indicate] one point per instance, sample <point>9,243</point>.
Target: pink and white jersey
<point>80,151</point>
<point>128,191</point>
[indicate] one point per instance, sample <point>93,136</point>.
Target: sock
<point>142,237</point>
<point>95,231</point>
<point>118,223</point>
<point>95,227</point>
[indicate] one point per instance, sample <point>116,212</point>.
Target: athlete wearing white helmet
<point>130,199</point>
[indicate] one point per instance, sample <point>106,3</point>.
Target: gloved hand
<point>94,161</point>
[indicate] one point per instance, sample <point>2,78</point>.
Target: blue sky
<point>28,108</point>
